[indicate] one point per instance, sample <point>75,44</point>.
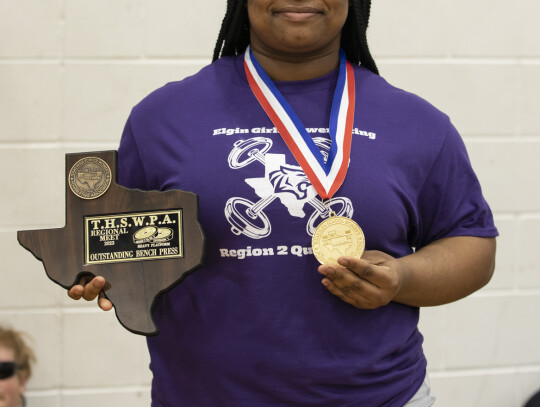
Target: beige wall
<point>70,71</point>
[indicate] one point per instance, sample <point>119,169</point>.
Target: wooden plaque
<point>142,242</point>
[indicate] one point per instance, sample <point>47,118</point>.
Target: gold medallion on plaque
<point>335,237</point>
<point>89,178</point>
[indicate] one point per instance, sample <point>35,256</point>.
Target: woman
<point>16,359</point>
<point>273,138</point>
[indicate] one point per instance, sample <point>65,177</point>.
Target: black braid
<point>233,36</point>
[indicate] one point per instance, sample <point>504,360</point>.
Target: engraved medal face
<point>335,237</point>
<point>89,178</point>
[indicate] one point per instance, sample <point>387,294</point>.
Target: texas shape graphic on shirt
<point>286,182</point>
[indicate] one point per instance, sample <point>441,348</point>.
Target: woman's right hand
<point>89,288</point>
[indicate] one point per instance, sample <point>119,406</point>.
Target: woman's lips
<point>297,13</point>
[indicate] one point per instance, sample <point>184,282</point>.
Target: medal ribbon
<point>327,177</point>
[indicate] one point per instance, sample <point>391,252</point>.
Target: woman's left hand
<point>441,272</point>
<point>366,283</point>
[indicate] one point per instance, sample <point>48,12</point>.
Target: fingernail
<point>343,261</point>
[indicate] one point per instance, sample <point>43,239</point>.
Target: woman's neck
<point>296,67</point>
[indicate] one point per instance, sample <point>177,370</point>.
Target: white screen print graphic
<point>286,182</point>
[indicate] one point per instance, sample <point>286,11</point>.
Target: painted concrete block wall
<point>70,71</point>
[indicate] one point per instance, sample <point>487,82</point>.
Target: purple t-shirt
<point>254,326</point>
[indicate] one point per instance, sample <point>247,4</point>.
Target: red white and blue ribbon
<point>326,177</point>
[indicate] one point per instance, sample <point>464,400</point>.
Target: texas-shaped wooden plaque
<point>142,242</point>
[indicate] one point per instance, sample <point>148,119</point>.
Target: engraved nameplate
<point>150,235</point>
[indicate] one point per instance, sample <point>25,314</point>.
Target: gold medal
<point>335,237</point>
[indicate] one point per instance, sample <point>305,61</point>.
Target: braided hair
<point>234,33</point>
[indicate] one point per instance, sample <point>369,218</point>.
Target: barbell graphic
<point>248,218</point>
